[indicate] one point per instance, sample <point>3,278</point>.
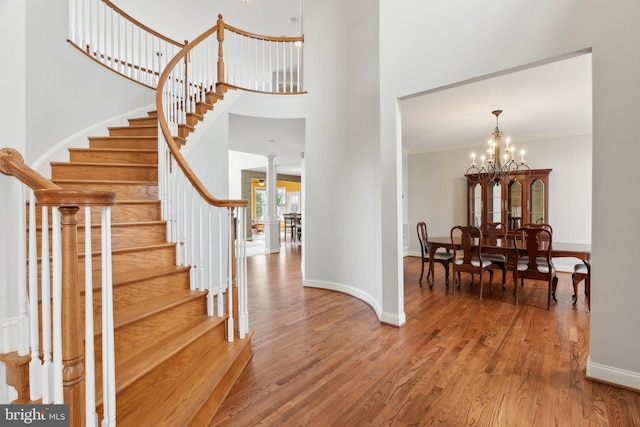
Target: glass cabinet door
<point>475,205</point>
<point>514,205</point>
<point>494,208</point>
<point>536,202</point>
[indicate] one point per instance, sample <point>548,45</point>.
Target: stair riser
<point>140,290</point>
<point>122,237</point>
<point>104,172</point>
<point>148,143</point>
<point>143,121</point>
<point>136,130</point>
<point>126,191</point>
<point>136,212</point>
<point>149,329</point>
<point>132,157</point>
<point>120,213</point>
<point>127,261</point>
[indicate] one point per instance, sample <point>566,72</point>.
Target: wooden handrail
<point>260,37</point>
<point>141,25</point>
<point>12,163</point>
<point>171,142</point>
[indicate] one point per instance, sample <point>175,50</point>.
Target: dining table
<point>507,246</point>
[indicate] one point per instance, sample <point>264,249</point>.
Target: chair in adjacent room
<point>533,259</point>
<point>289,219</point>
<point>443,258</point>
<point>582,271</point>
<point>497,230</point>
<point>467,255</point>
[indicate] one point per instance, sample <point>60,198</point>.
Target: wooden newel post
<point>73,376</point>
<point>220,52</point>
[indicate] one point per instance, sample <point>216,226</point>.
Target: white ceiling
<point>543,101</point>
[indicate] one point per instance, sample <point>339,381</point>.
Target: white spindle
<point>58,397</point>
<point>210,295</point>
<point>200,235</point>
<point>23,311</point>
<point>230,325</point>
<point>108,347</point>
<point>35,368</point>
<point>89,358</point>
<point>45,284</point>
<point>221,275</point>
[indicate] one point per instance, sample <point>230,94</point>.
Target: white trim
<point>349,290</point>
<point>613,375</point>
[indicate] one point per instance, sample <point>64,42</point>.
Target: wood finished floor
<point>322,358</point>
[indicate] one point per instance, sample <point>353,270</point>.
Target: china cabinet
<point>514,202</point>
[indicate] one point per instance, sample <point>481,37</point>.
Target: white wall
<point>343,222</point>
<point>76,92</point>
<point>437,188</point>
<point>449,42</point>
<point>12,123</point>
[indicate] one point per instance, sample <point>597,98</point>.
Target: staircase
<point>174,365</point>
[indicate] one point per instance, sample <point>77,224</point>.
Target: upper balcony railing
<point>252,62</point>
<point>116,40</point>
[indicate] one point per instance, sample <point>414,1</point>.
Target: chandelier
<point>496,165</point>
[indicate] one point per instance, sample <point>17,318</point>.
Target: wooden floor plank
<point>322,358</point>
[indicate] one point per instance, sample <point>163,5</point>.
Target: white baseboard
<point>613,375</point>
<point>345,289</point>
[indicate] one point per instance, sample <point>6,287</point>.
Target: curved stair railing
<point>52,328</point>
<point>114,39</point>
<point>192,82</point>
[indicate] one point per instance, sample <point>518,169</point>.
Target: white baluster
<point>35,367</point>
<point>23,311</point>
<point>221,276</point>
<point>45,284</point>
<point>58,396</point>
<point>108,347</point>
<point>210,295</point>
<point>89,358</point>
<point>230,325</point>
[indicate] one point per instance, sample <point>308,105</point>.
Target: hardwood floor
<point>322,358</point>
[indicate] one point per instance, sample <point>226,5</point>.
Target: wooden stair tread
<point>119,279</point>
<point>131,313</point>
<point>193,392</point>
<point>100,181</point>
<point>128,165</point>
<point>134,365</point>
<point>109,150</point>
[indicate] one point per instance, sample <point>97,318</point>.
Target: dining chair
<point>539,225</point>
<point>288,225</point>
<point>495,231</point>
<point>297,226</point>
<point>467,255</point>
<point>443,258</point>
<point>533,259</point>
<point>582,271</point>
